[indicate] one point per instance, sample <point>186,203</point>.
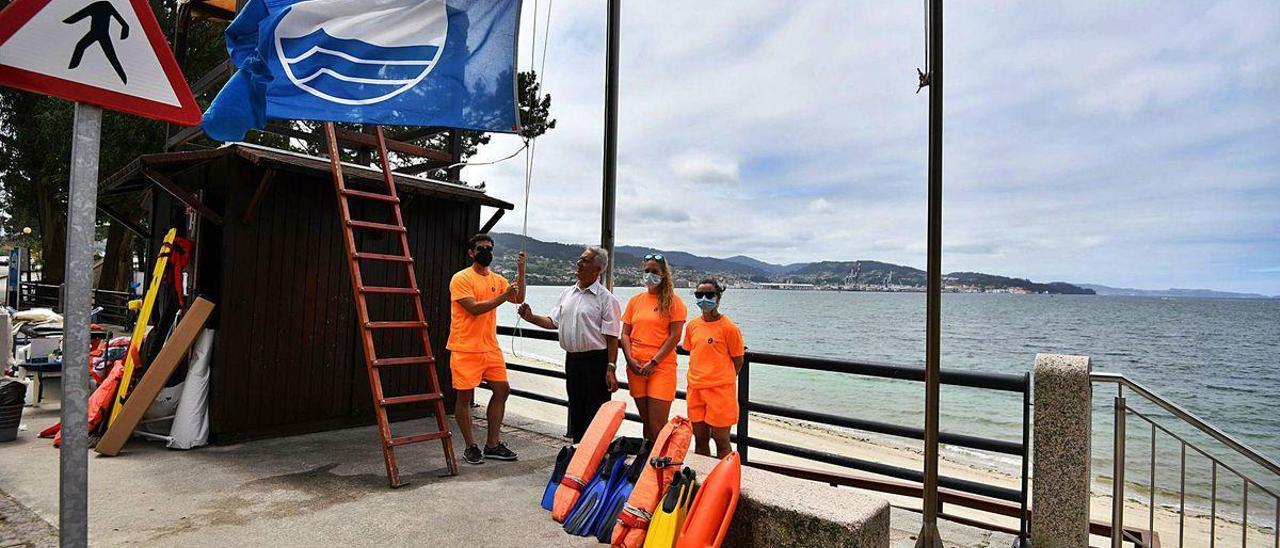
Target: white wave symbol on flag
<point>354,72</point>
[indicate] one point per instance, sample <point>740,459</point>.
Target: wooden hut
<point>269,252</point>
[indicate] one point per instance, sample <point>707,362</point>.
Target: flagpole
<point>609,197</point>
<point>73,459</point>
<point>929,537</point>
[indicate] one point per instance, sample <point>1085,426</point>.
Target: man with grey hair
<point>589,319</point>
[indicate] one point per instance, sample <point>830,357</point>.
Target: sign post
<point>101,53</point>
<point>82,204</point>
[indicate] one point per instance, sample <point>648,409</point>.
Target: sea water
<point>1217,358</point>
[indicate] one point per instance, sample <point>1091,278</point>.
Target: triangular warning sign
<point>109,53</point>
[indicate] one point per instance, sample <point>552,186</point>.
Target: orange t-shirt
<point>649,326</point>
<point>712,347</point>
<point>468,333</point>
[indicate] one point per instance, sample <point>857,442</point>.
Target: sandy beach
<point>969,466</point>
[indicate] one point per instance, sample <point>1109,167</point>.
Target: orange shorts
<point>659,384</point>
<point>716,405</point>
<point>469,368</point>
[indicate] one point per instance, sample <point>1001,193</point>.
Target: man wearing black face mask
<point>475,293</point>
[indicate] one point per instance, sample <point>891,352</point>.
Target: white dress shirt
<point>585,316</point>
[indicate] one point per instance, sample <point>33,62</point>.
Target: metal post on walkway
<point>929,537</point>
<point>609,196</point>
<point>73,459</point>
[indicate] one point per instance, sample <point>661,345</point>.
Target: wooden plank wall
<point>288,358</point>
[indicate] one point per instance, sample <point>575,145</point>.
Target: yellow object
<point>135,305</point>
<point>664,529</point>
<point>144,316</point>
<point>26,230</point>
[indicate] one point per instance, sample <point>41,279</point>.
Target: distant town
<point>552,263</point>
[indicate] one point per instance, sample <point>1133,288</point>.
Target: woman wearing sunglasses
<point>651,327</point>
<point>715,358</point>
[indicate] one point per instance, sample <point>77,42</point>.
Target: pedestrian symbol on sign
<point>100,15</point>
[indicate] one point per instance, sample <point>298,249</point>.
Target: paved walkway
<point>327,488</point>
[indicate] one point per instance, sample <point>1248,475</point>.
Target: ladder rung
<point>370,196</point>
<point>375,226</point>
<point>408,360</point>
<point>406,440</point>
<point>412,398</point>
<point>396,325</point>
<point>399,290</point>
<point>383,257</point>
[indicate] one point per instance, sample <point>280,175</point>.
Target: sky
<point>1132,144</point>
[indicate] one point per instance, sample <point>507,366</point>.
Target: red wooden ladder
<point>373,363</point>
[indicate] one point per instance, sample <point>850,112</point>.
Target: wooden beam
<point>397,146</point>
<point>497,215</point>
<point>251,212</point>
<point>117,217</point>
<point>215,76</point>
<point>414,169</point>
<point>181,194</point>
<point>140,398</point>
<point>419,133</point>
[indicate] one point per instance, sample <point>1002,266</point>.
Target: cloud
<point>705,169</point>
<point>1132,143</point>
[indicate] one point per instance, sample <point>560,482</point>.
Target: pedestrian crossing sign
<point>109,53</point>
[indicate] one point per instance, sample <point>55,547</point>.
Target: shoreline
<point>964,465</point>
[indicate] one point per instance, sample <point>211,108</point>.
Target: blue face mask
<point>707,304</point>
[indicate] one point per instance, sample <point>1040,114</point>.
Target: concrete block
<point>777,510</point>
<point>1060,485</point>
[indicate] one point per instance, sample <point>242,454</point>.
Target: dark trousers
<point>584,381</point>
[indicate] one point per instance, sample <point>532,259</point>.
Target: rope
<point>530,146</point>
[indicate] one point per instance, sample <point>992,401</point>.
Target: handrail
<point>997,498</point>
<point>1189,417</point>
<point>991,381</point>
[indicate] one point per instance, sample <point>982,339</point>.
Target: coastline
<point>962,465</point>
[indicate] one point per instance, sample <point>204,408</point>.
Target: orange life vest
<point>587,457</point>
<point>665,462</point>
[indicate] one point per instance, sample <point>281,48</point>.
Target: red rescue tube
<point>587,457</point>
<point>712,511</point>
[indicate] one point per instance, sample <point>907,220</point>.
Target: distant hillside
<point>1185,293</point>
<point>552,263</point>
<point>770,268</point>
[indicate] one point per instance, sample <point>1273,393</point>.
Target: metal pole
<point>609,197</point>
<point>82,204</point>
<point>1117,475</point>
<point>744,403</point>
<point>929,536</point>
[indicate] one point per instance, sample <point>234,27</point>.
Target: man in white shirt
<point>589,319</point>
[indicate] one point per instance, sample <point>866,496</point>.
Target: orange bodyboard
<point>587,457</point>
<point>665,462</point>
<point>712,511</point>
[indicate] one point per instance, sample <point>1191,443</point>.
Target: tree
<point>35,148</point>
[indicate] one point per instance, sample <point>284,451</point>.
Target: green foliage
<point>35,144</point>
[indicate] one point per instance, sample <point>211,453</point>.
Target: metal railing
<point>114,304</point>
<point>960,492</point>
<point>1187,419</point>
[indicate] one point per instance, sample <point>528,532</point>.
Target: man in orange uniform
<point>475,293</point>
<point>715,358</point>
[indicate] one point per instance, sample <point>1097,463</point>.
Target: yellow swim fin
<point>689,489</point>
<point>665,523</point>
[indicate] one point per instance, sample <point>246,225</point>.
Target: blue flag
<point>448,63</point>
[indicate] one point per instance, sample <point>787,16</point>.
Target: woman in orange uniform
<point>715,358</point>
<point>651,327</point>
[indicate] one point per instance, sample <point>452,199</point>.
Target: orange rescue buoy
<point>712,511</point>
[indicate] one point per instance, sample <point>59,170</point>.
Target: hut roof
<point>132,177</point>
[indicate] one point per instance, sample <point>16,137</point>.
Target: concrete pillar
<point>1060,488</point>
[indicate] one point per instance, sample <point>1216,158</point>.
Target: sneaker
<point>473,455</point>
<point>501,452</point>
